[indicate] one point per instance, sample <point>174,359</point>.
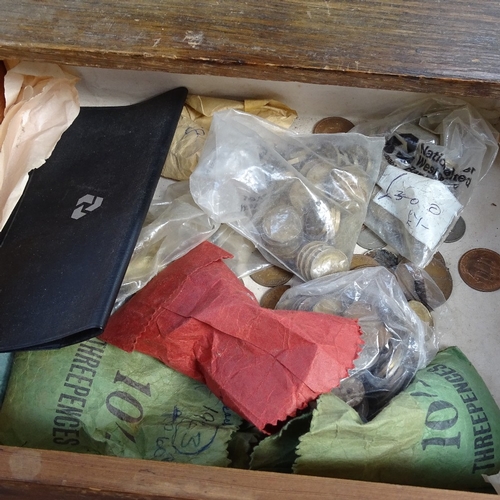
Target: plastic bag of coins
<point>395,338</point>
<point>436,151</point>
<point>301,199</point>
<point>173,226</point>
<point>246,258</point>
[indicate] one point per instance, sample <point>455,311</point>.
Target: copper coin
<point>440,274</point>
<point>272,296</point>
<point>360,260</point>
<point>332,125</point>
<point>272,276</point>
<point>480,269</point>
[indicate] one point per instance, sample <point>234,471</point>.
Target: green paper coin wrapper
<point>443,431</point>
<point>94,398</point>
<point>198,318</point>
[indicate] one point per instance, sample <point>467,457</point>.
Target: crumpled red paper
<point>199,319</point>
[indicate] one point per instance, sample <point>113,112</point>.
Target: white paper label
<point>425,206</point>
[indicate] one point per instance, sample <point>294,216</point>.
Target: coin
<point>318,172</point>
<point>358,310</point>
<point>389,361</point>
<point>440,274</point>
<point>299,195</point>
<point>272,296</point>
<point>320,222</point>
<point>332,125</point>
<point>271,276</point>
<point>281,225</point>
<point>368,240</point>
<point>419,285</point>
<point>457,232</point>
<point>480,269</point>
<point>329,261</point>
<point>360,260</point>
<point>328,306</point>
<point>318,259</point>
<point>351,391</point>
<point>384,257</point>
<point>281,231</point>
<point>421,311</point>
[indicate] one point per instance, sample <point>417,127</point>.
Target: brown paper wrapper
<point>195,122</point>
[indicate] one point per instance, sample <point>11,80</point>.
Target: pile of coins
<point>318,259</point>
<point>301,233</point>
<point>342,178</point>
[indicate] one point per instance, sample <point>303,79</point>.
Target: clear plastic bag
<point>396,341</point>
<point>301,199</point>
<point>174,225</point>
<point>246,258</point>
<point>436,152</point>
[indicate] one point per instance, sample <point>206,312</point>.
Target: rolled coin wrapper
<point>198,318</point>
<point>125,405</point>
<point>442,431</point>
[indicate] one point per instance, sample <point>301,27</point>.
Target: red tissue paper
<point>198,318</point>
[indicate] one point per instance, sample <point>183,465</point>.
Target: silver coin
<point>328,306</point>
<point>301,303</point>
<point>329,261</point>
<point>389,361</point>
<point>307,163</point>
<point>368,240</point>
<point>319,259</point>
<point>299,196</point>
<point>318,172</point>
<point>320,222</point>
<point>281,225</point>
<point>457,232</point>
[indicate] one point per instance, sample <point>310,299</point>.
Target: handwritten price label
<point>425,206</point>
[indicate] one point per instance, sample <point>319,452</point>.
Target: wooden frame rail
<point>445,46</point>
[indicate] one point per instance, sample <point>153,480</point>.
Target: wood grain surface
<point>447,46</point>
<point>37,474</point>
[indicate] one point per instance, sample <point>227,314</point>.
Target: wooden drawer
<point>358,59</point>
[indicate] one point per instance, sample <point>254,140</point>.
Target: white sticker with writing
<point>425,206</point>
